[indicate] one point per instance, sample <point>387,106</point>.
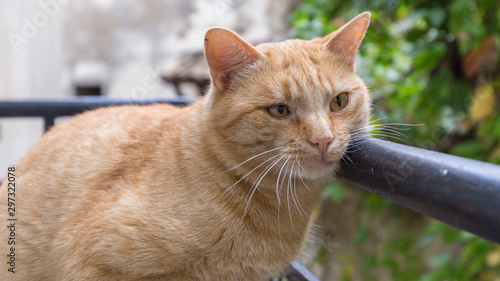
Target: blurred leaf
<point>440,260</point>
<point>495,156</point>
<point>477,59</point>
<point>493,258</point>
<point>437,16</point>
<point>482,103</point>
<point>469,149</point>
<point>427,56</point>
<point>334,191</point>
<point>362,234</point>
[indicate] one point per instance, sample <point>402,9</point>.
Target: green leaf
<point>440,260</point>
<point>334,191</point>
<point>470,149</point>
<point>428,55</point>
<point>363,233</point>
<point>436,16</point>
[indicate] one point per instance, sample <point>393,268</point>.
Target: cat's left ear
<point>227,54</point>
<point>345,41</point>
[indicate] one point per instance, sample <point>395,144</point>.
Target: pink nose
<point>321,142</point>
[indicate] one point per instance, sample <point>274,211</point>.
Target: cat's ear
<point>227,54</point>
<point>345,41</point>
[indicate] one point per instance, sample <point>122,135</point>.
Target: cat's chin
<point>319,169</point>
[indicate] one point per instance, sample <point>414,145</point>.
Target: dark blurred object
<point>90,78</point>
<point>191,69</point>
<point>476,59</point>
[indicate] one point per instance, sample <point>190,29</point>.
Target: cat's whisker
<point>248,174</point>
<point>298,162</point>
<point>300,176</point>
<point>392,132</point>
<point>288,201</point>
<point>278,189</point>
<point>343,159</point>
<point>218,144</point>
<point>253,157</point>
<point>388,130</point>
<point>292,185</point>
<point>299,207</point>
<point>357,138</point>
<point>388,136</point>
<point>254,187</point>
<point>388,133</point>
<point>351,150</point>
<point>375,121</point>
<point>385,127</point>
<point>385,130</point>
<point>354,142</point>
<point>393,126</point>
<point>259,179</point>
<point>400,124</point>
<point>345,156</point>
<point>277,181</point>
<point>284,177</point>
<point>339,167</point>
<point>279,230</point>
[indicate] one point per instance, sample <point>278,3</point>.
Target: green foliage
<point>469,264</point>
<point>426,62</point>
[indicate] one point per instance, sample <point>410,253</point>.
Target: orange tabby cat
<point>220,190</point>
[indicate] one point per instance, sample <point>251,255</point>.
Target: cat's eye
<point>339,102</point>
<point>278,111</point>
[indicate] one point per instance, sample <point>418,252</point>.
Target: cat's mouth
<point>318,169</point>
<point>318,165</point>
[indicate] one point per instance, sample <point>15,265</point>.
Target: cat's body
<point>220,190</point>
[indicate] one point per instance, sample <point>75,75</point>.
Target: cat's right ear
<point>345,41</point>
<point>227,54</point>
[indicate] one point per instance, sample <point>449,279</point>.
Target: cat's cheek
<point>264,132</point>
<point>337,149</point>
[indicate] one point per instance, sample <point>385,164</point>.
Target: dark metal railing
<point>50,109</point>
<point>460,192</point>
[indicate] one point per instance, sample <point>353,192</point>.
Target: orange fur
<point>163,193</point>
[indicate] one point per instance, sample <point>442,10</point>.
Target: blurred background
<point>433,63</point>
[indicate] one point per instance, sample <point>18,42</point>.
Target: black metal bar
<point>297,272</point>
<point>68,107</point>
<point>48,122</point>
<point>461,192</point>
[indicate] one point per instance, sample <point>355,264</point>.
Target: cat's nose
<point>321,142</point>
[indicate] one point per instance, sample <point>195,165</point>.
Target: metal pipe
<point>298,272</point>
<point>460,192</point>
<point>72,106</point>
<point>50,109</point>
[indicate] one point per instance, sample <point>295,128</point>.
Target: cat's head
<point>297,102</point>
